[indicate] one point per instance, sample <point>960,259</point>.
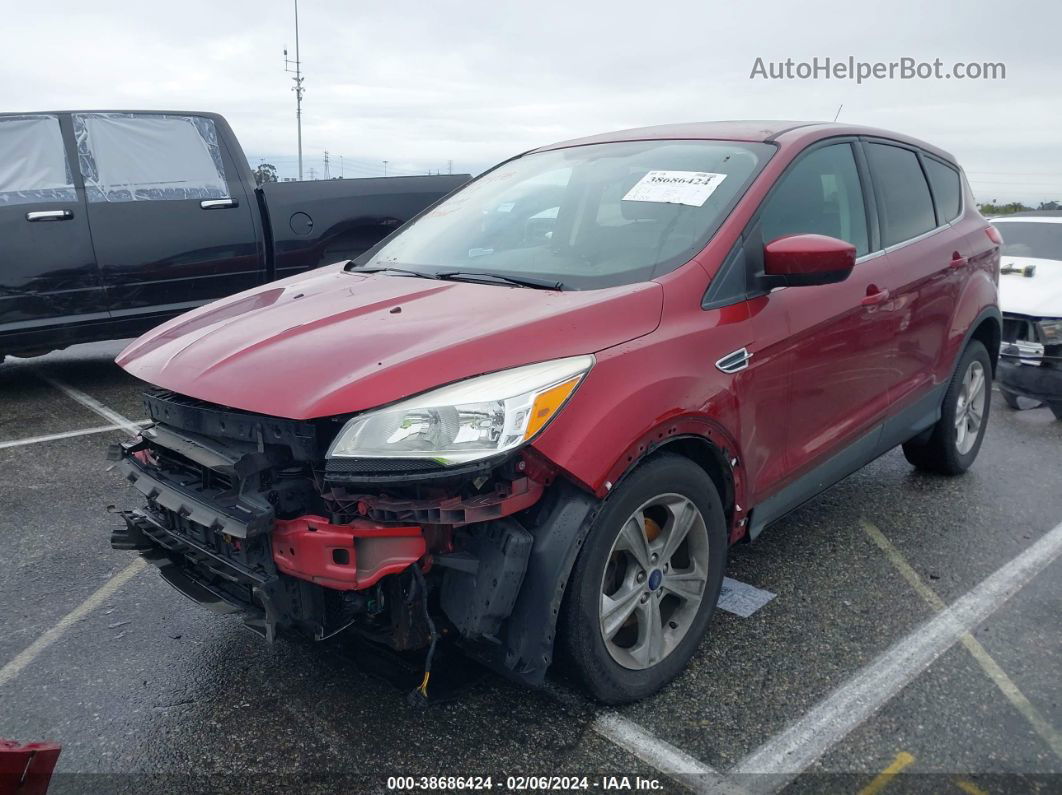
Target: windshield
<point>584,217</point>
<point>1031,239</point>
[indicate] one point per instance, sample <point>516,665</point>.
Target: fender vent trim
<point>734,362</point>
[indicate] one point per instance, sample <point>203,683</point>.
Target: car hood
<point>330,342</point>
<point>1039,295</point>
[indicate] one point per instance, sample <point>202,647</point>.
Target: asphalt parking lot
<point>857,676</point>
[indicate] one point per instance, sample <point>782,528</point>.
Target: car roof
<point>154,112</point>
<point>1035,216</point>
<point>786,133</point>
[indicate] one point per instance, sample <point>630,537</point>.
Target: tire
<point>953,443</point>
<point>664,493</point>
<point>1056,408</point>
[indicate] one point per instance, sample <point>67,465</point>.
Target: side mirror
<point>800,260</point>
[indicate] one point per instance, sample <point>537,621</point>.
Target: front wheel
<point>955,440</point>
<point>646,581</point>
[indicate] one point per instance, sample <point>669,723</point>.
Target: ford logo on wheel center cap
<point>654,579</point>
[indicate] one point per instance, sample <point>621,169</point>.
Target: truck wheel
<point>646,582</point>
<point>956,439</point>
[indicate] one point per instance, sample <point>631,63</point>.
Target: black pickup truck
<point>114,221</point>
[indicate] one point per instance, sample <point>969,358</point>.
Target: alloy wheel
<point>970,407</point>
<point>654,581</point>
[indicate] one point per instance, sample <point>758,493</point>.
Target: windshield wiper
<point>402,271</point>
<point>489,278</point>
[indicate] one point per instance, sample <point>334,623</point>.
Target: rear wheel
<point>646,581</point>
<point>955,440</point>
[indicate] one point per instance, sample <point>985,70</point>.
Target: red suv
<point>533,418</point>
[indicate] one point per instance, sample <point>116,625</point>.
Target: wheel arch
<point>702,440</point>
<point>989,332</point>
<point>708,457</point>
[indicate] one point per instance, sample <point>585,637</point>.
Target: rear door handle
<point>218,204</point>
<point>50,215</point>
<point>875,296</point>
<point>958,260</point>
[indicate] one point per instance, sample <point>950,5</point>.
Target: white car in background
<point>1030,296</point>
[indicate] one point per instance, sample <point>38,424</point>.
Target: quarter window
<point>820,195</point>
<point>149,157</point>
<point>906,206</point>
<point>33,164</point>
<point>946,188</point>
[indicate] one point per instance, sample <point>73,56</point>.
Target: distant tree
<point>1049,206</point>
<point>991,208</point>
<point>266,172</point>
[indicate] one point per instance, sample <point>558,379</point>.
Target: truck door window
<point>33,164</point>
<point>149,157</point>
<point>906,206</point>
<point>819,195</point>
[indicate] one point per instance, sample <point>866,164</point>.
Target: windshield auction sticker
<point>675,187</point>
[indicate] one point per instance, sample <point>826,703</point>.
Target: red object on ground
<point>346,557</point>
<point>26,769</point>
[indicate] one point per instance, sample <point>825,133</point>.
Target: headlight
<point>1051,330</point>
<point>466,421</point>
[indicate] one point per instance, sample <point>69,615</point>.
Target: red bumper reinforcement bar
<point>346,557</point>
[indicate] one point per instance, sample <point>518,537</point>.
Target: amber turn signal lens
<point>547,404</point>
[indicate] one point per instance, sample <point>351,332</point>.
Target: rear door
<point>172,221</point>
<point>925,262</point>
<point>48,274</point>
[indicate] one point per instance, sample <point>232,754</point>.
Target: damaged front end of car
<point>251,514</point>
<point>1030,363</point>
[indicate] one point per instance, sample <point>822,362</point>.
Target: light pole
<point>297,79</point>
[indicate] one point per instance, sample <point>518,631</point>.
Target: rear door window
<point>33,164</point>
<point>947,188</point>
<point>820,195</point>
<point>149,157</point>
<point>905,203</point>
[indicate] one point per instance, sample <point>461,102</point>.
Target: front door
<point>839,335</point>
<point>48,275</point>
<point>172,221</point>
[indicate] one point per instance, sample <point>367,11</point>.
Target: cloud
<point>420,84</point>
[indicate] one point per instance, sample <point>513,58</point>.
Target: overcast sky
<point>420,84</point>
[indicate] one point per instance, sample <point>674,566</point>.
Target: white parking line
<point>92,404</point>
<point>51,437</point>
<point>657,753</point>
<point>782,758</point>
<point>992,669</point>
<point>102,594</point>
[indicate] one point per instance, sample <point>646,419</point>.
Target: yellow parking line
<point>882,779</point>
<point>1005,684</point>
<point>969,787</point>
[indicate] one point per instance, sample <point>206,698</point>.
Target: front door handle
<point>218,204</point>
<point>875,296</point>
<point>50,215</point>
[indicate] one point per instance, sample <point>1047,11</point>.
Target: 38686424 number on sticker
<point>692,188</point>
